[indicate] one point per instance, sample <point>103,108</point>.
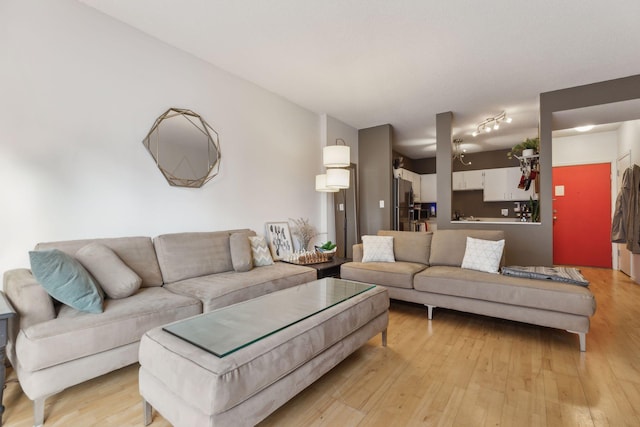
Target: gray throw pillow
<point>114,276</point>
<point>240,252</point>
<point>66,280</point>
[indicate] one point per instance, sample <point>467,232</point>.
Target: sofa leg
<point>38,412</point>
<point>384,338</point>
<point>583,339</point>
<point>430,311</point>
<point>146,410</point>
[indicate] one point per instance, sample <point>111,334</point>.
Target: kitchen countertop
<point>503,220</point>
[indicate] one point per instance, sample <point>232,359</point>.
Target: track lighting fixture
<point>491,123</point>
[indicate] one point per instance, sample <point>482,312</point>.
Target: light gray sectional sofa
<point>52,346</point>
<point>428,271</point>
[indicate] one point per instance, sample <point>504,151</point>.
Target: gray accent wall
<point>376,177</point>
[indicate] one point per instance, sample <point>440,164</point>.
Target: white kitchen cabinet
<point>417,187</point>
<point>467,180</point>
<point>428,188</point>
<point>502,185</point>
<point>415,182</point>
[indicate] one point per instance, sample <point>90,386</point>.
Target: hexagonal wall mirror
<point>184,147</point>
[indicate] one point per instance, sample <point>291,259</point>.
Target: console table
<point>329,268</point>
<point>6,312</point>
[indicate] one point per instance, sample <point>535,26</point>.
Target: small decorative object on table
<point>303,231</point>
<point>328,248</point>
<point>307,257</point>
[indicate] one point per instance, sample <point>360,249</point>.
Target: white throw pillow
<point>483,255</point>
<point>377,249</point>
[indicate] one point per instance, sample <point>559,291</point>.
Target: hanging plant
<point>529,143</point>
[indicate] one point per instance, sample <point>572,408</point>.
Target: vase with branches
<point>303,231</point>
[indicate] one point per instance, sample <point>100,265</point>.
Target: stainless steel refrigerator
<point>403,213</point>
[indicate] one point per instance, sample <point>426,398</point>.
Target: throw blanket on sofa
<point>559,274</point>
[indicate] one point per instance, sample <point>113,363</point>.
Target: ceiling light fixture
<point>585,128</point>
<point>458,153</point>
<point>491,123</point>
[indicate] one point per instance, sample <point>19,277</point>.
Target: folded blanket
<point>558,274</point>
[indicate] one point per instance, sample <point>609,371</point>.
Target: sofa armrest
<point>357,252</point>
<point>30,300</point>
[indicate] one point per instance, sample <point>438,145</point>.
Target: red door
<point>582,215</point>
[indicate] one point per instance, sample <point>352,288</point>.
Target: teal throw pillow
<point>66,280</point>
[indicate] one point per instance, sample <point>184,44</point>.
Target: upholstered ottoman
<point>191,386</point>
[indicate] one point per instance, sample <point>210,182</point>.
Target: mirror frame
<point>212,141</point>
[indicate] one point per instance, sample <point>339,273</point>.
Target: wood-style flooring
<point>457,370</point>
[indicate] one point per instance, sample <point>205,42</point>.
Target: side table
<point>6,312</point>
<point>330,268</point>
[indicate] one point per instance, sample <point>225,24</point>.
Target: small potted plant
<point>528,147</point>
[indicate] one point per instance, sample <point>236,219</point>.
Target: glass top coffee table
<point>228,329</point>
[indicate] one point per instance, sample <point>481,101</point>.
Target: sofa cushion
<point>30,300</point>
<point>115,278</point>
<point>410,246</point>
<point>448,246</point>
<point>185,255</point>
<point>377,249</point>
<point>260,251</point>
<point>396,274</point>
<point>66,280</point>
<point>137,252</point>
<point>240,247</point>
<point>546,295</point>
<point>483,255</point>
<point>222,289</point>
<point>74,334</point>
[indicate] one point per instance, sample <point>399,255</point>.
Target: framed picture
<point>279,238</point>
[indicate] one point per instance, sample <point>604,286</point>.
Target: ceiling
<point>372,62</point>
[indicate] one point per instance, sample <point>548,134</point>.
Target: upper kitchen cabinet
<point>415,182</point>
<point>468,180</point>
<point>428,188</point>
<point>502,185</point>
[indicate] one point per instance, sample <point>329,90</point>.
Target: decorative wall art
<point>184,147</point>
<point>279,238</point>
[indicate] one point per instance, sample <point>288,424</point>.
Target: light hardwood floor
<point>457,370</point>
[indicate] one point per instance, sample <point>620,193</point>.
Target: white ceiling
<point>372,62</point>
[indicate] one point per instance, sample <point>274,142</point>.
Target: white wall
<point>629,140</point>
<point>599,147</point>
<point>78,93</point>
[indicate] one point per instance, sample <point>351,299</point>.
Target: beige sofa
<point>428,271</point>
<point>52,346</point>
